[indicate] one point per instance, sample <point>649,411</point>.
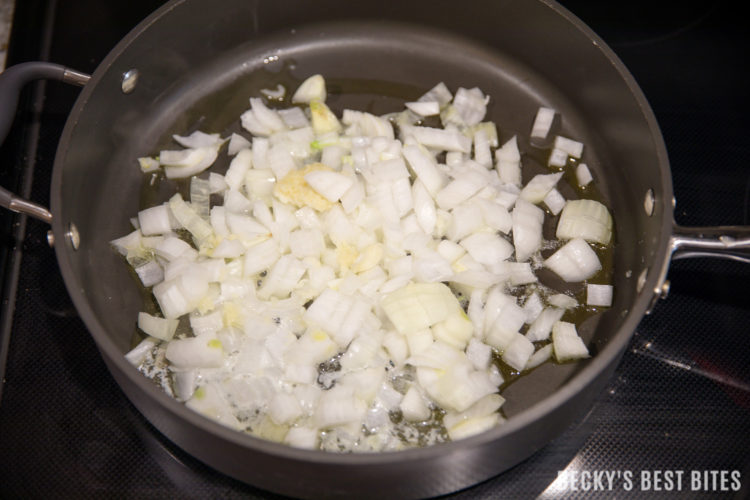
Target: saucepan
<point>194,63</point>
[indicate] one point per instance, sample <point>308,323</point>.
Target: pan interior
<point>372,66</point>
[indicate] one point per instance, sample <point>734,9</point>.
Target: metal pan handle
<point>12,81</point>
<point>728,242</point>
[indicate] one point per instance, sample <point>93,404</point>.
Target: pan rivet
<point>73,236</point>
<point>663,290</point>
<point>51,238</point>
<point>648,202</point>
<point>129,81</point>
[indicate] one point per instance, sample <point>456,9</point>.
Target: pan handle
<point>728,242</point>
<point>12,81</point>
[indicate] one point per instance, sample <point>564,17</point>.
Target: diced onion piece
<point>569,146</point>
<point>260,257</point>
<point>236,144</point>
<point>216,183</point>
<point>539,357</point>
<point>555,201</point>
<point>200,197</point>
<point>527,229</point>
<point>425,108</point>
<point>186,216</point>
<point>323,119</point>
<point>542,122</point>
<point>284,408</point>
<point>267,117</point>
<point>482,153</point>
<point>487,248</point>
<point>413,406</point>
<point>520,273</point>
<point>479,353</point>
<point>599,295</point>
<point>156,220</point>
<point>148,164</point>
<point>441,139</point>
<point>294,118</point>
<point>587,219</point>
<point>187,162</point>
<point>566,343</point>
<point>160,328</point>
<point>538,187</point>
<point>206,324</point>
<point>312,89</point>
<point>557,158</point>
<point>150,273</point>
<point>338,406</point>
<point>459,190</point>
<point>480,417</point>
<point>541,327</point>
<point>238,168</point>
<point>438,93</point>
<point>208,400</point>
<point>331,185</point>
<point>470,104</point>
<point>302,437</point>
<point>503,328</point>
<point>562,301</point>
<point>508,162</point>
<point>533,307</point>
<point>419,305</point>
<point>456,386</point>
<point>137,354</point>
<point>198,139</point>
<point>575,261</point>
<point>518,352</point>
<point>583,175</point>
<point>425,168</point>
<point>195,352</point>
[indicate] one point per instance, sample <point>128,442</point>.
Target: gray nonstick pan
<point>194,63</point>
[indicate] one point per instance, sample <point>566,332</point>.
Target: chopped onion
<point>562,301</point>
<point>557,158</point>
<point>542,122</point>
<point>470,104</point>
<point>160,328</point>
<point>236,144</point>
<point>527,229</point>
<point>587,219</point>
<point>541,327</point>
<point>566,343</point>
<point>539,357</point>
<point>569,146</point>
<point>198,139</point>
<point>424,108</point>
<point>187,162</point>
<point>312,89</point>
<point>439,93</point>
<point>583,175</point>
<point>340,274</point>
<point>156,220</point>
<point>413,407</point>
<point>575,261</point>
<point>440,139</point>
<point>599,295</point>
<point>554,201</point>
<point>518,352</point>
<point>537,188</point>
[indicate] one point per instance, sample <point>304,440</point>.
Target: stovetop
<point>679,400</point>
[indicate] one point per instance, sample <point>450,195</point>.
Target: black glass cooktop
<point>677,409</point>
